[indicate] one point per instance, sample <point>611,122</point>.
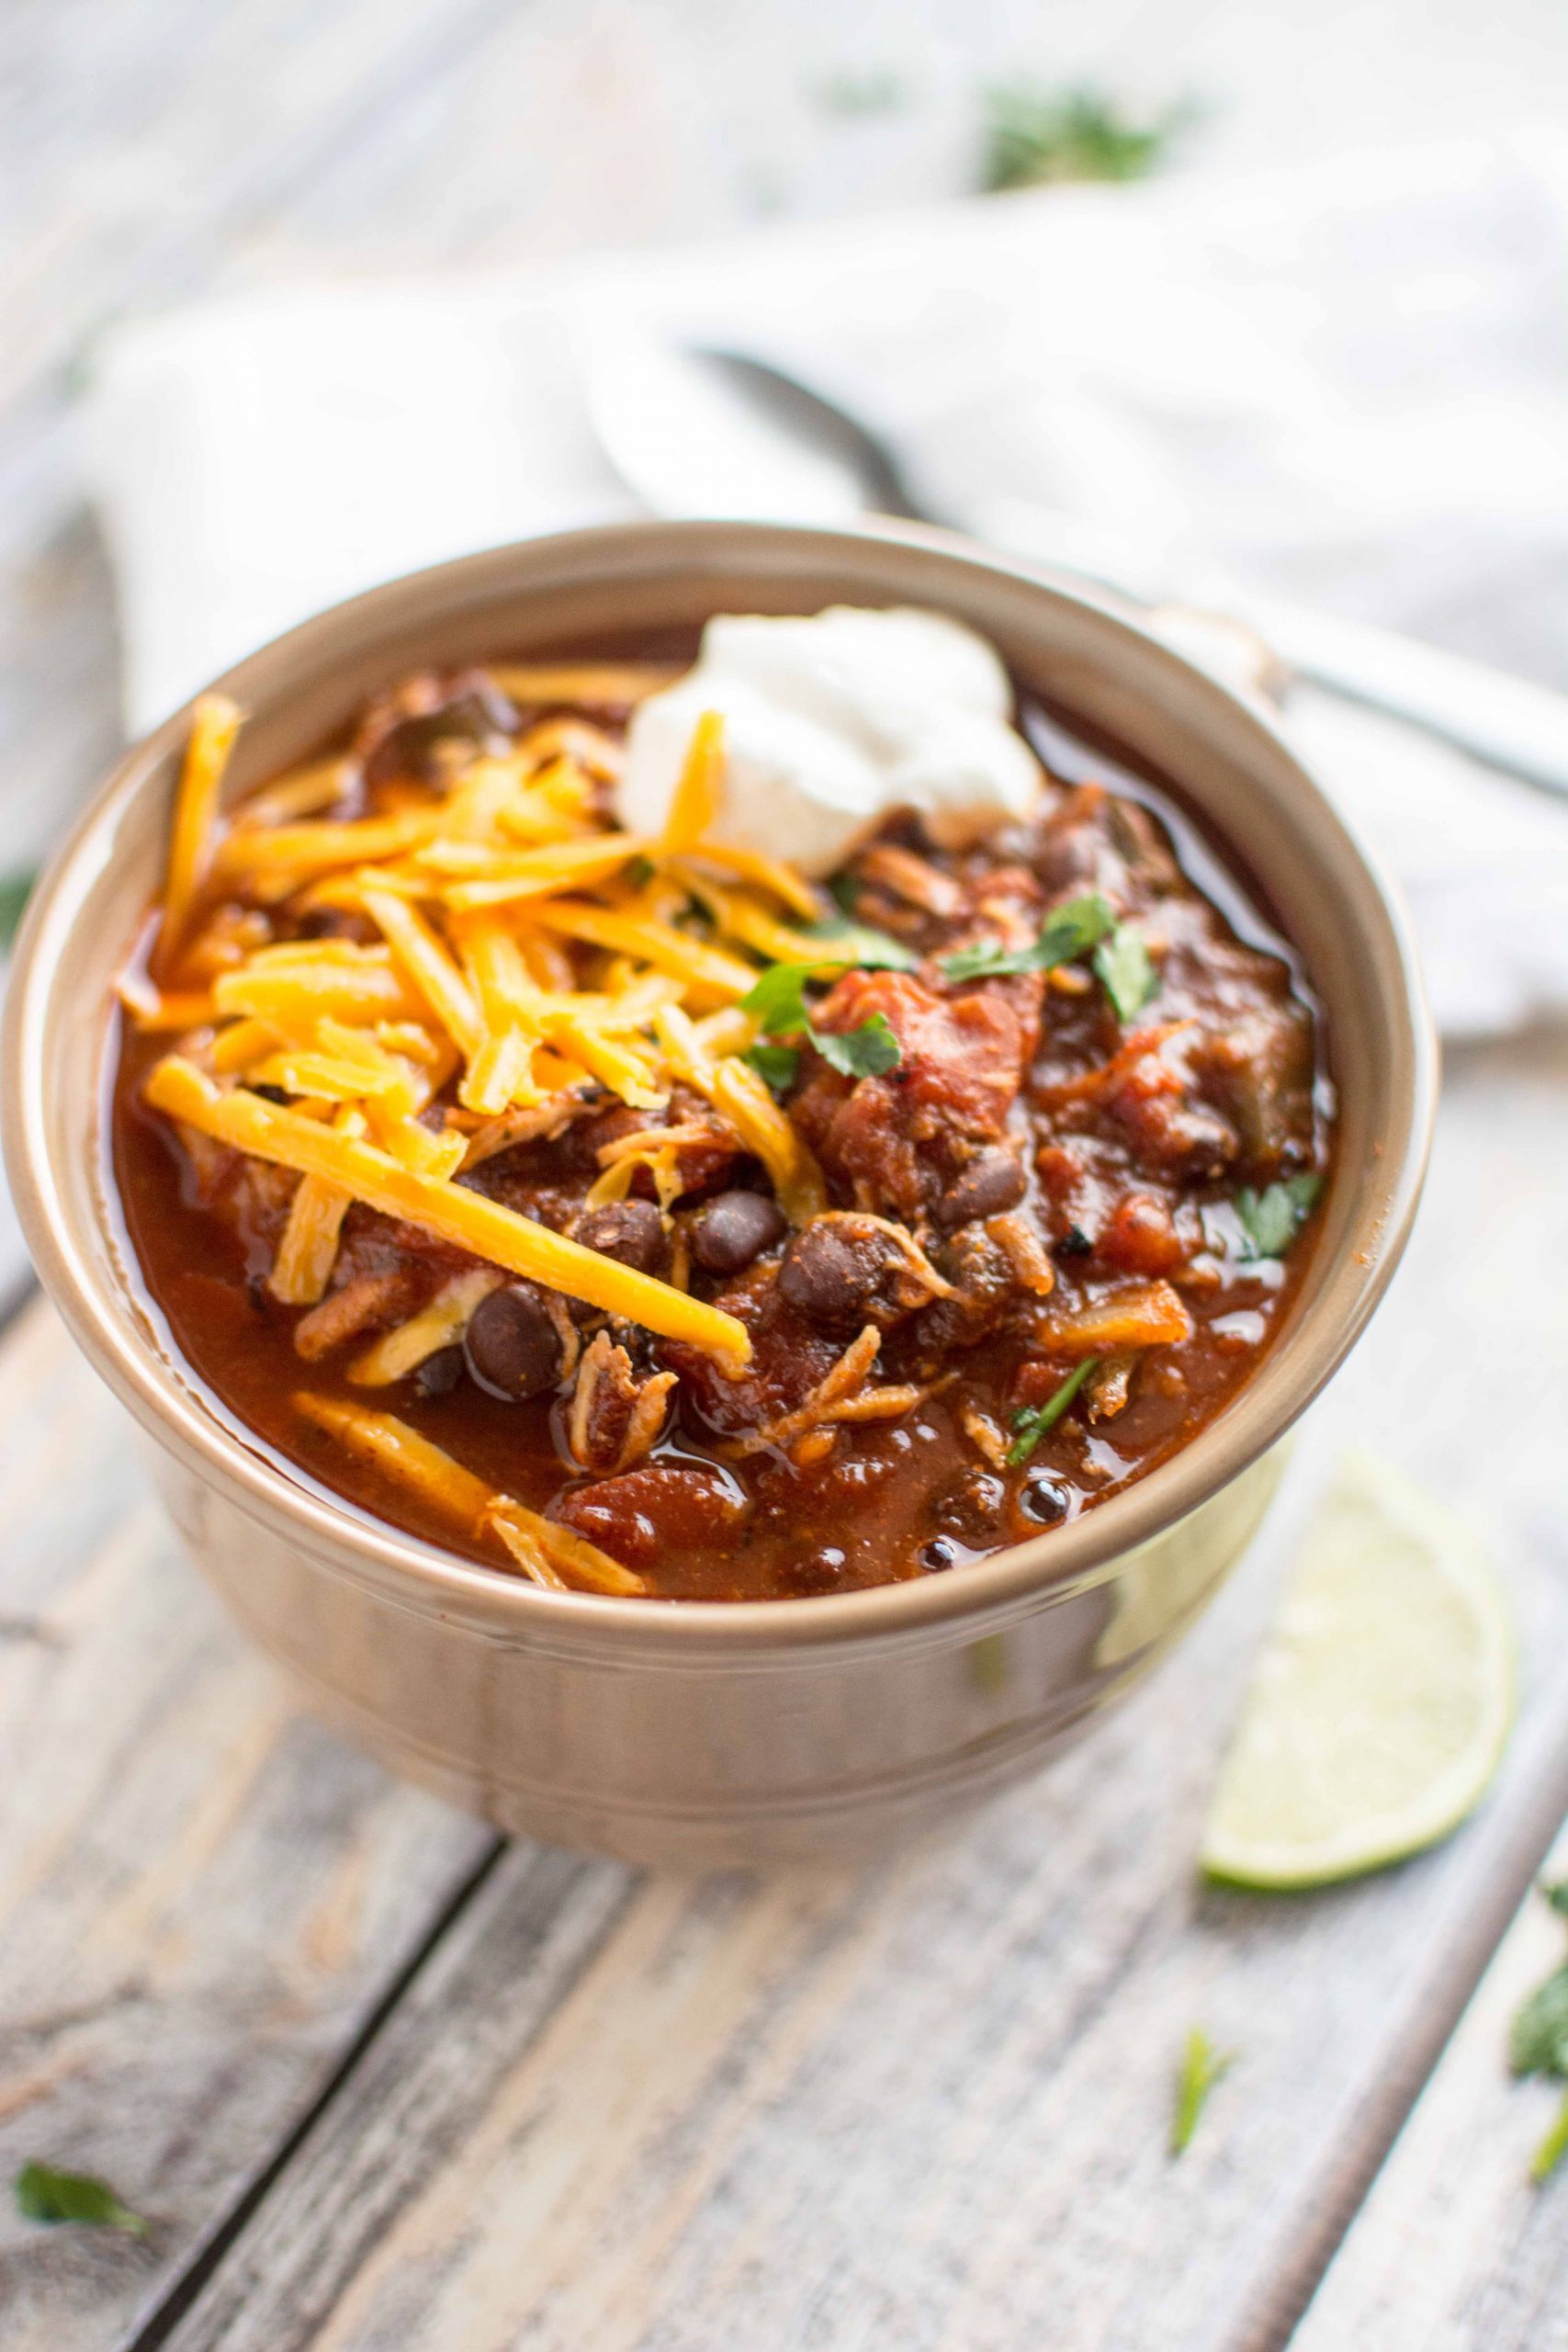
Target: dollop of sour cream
<point>832,722</point>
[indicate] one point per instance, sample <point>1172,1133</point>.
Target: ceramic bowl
<point>695,1732</point>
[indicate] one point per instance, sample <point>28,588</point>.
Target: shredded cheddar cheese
<point>496,961</point>
<point>213,729</point>
<point>449,1210</point>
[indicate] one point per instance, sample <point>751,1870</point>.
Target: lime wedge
<point>1382,1701</point>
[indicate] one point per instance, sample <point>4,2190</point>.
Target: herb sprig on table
<point>15,889</point>
<point>1037,136</point>
<point>1538,2044</point>
<point>1202,2068</point>
<point>44,2193</point>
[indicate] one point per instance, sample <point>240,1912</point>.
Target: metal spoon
<point>698,430</point>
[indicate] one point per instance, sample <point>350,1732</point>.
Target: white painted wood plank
<point>925,2103</point>
<point>202,1896</point>
<point>1455,2249</point>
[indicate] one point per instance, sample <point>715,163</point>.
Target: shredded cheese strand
<point>451,1211</point>
<point>214,726</point>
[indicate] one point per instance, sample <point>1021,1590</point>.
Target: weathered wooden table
<point>382,2084</point>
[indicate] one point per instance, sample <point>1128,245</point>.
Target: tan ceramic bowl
<point>697,1732</point>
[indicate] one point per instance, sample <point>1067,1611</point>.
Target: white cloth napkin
<point>1346,382</point>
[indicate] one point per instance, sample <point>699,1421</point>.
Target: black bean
<point>630,1231</point>
<point>439,1374</point>
<point>941,1553</point>
<point>990,1186</point>
<point>732,1228</point>
<point>1074,1243</point>
<point>843,1270</point>
<point>1041,1499</point>
<point>512,1347</point>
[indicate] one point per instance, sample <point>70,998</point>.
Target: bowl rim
<point>168,1399</point>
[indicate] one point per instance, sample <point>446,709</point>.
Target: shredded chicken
<point>347,1312</point>
<point>614,1418</point>
<point>838,1397</point>
<point>911,878</point>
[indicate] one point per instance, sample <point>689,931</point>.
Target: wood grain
<point>1455,2249</point>
<point>925,2104</point>
<point>202,1896</point>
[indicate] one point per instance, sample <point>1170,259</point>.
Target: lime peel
<point>1383,1701</point>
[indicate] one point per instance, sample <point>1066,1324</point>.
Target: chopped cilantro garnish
<point>1037,1422</point>
<point>777,1064</point>
<point>45,2195</point>
<point>1070,931</point>
<point>864,1052</point>
<point>1124,971</point>
<point>1202,2068</point>
<point>777,1004</point>
<point>641,872</point>
<point>1272,1218</point>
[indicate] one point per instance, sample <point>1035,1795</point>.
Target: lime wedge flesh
<point>1382,1699</point>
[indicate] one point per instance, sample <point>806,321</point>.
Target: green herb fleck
<point>641,872</point>
<point>1035,136</point>
<point>1202,2068</point>
<point>777,1064</point>
<point>1538,2038</point>
<point>865,1052</point>
<point>1070,931</point>
<point>1549,2154</point>
<point>777,1003</point>
<point>1557,1896</point>
<point>1272,1218</point>
<point>15,889</point>
<point>844,889</point>
<point>1037,1422</point>
<point>1124,971</point>
<point>45,2195</point>
<point>857,944</point>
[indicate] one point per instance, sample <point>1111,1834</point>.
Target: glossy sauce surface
<point>1106,1166</point>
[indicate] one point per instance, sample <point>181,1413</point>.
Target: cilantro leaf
<point>777,1002</point>
<point>15,889</point>
<point>1037,1422</point>
<point>1552,2149</point>
<point>1538,2038</point>
<point>777,1064</point>
<point>45,2195</point>
<point>864,1052</point>
<point>1202,2068</point>
<point>1124,971</point>
<point>858,945</point>
<point>1557,1896</point>
<point>1272,1218</point>
<point>1071,930</point>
